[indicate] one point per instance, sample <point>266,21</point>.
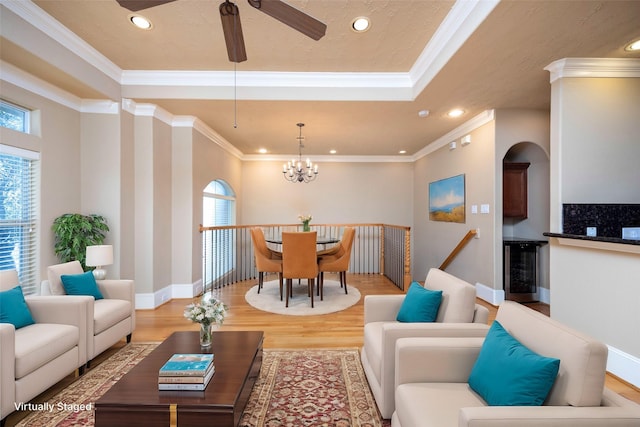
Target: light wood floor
<point>336,330</point>
<point>342,329</point>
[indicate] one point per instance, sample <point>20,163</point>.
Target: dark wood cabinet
<point>514,190</point>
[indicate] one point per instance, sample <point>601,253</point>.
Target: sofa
<point>457,315</point>
<point>110,318</point>
<point>36,356</point>
<point>439,381</point>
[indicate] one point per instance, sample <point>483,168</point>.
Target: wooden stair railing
<point>454,253</point>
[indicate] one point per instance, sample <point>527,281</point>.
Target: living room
<point>144,168</point>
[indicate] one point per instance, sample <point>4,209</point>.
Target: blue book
<point>181,364</point>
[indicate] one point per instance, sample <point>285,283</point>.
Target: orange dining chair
<point>299,260</point>
<point>338,263</point>
<point>267,260</point>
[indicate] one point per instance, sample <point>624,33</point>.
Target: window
<point>218,209</point>
<point>19,170</point>
<point>14,117</point>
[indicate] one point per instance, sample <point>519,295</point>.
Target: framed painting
<point>447,199</point>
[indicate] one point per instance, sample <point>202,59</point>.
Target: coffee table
<point>136,401</point>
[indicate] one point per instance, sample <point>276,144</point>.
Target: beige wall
<point>434,240</point>
<point>595,152</point>
<point>342,193</point>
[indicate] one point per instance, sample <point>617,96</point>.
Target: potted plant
<point>74,232</point>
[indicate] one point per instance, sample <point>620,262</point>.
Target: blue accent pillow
<point>507,373</point>
<point>81,284</point>
<point>419,305</point>
<point>14,309</point>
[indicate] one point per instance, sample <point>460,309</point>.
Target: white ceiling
<point>356,93</point>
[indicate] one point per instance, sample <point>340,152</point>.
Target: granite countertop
<point>509,240</point>
<point>594,238</point>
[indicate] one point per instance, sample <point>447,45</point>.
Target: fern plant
<point>74,232</point>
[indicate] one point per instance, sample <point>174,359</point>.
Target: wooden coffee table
<point>136,401</point>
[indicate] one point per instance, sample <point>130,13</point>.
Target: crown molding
<point>594,67</point>
<point>459,24</point>
<point>462,130</point>
<point>29,82</point>
<point>45,23</point>
<point>99,106</point>
<point>329,159</point>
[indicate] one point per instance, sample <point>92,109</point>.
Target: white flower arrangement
<point>305,218</point>
<point>206,312</point>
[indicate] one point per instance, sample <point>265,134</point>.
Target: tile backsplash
<point>608,219</point>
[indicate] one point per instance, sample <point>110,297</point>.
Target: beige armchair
<point>458,316</point>
<point>35,357</point>
<point>110,318</point>
<point>432,379</point>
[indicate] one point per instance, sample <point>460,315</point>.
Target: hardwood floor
<point>336,330</point>
<point>342,329</point>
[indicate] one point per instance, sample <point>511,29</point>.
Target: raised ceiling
<point>357,93</point>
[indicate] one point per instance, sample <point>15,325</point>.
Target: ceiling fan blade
<point>136,5</point>
<point>230,16</point>
<point>292,17</point>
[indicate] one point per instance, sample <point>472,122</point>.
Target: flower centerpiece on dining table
<point>207,312</point>
<point>305,219</point>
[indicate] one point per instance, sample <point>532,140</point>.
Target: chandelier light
<point>296,170</point>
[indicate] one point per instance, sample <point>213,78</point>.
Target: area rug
<point>295,388</point>
<point>300,305</point>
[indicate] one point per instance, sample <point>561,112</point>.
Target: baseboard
<point>624,366</point>
<point>490,295</point>
<point>150,301</point>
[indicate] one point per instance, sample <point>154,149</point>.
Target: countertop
<point>525,240</point>
<point>594,238</point>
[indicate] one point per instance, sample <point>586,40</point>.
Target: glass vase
<point>205,335</point>
<point>306,226</point>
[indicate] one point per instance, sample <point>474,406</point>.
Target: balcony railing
<point>227,251</point>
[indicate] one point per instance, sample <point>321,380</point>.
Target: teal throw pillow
<point>14,309</point>
<point>81,284</point>
<point>507,373</point>
<point>419,305</point>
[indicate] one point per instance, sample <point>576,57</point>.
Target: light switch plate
<point>484,209</point>
<point>474,209</point>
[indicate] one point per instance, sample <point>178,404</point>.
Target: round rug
<point>300,305</point>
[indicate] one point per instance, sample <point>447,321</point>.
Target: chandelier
<point>295,170</point>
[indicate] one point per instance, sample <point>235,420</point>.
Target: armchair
<point>432,379</point>
<point>36,356</point>
<point>458,316</point>
<point>110,318</point>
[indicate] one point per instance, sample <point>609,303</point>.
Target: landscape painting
<point>446,199</point>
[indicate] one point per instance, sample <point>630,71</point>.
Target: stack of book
<point>186,372</point>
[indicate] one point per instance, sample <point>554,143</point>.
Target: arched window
<point>218,209</point>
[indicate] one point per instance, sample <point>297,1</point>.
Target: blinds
<point>19,178</point>
<point>218,209</point>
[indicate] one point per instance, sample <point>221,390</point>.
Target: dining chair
<point>338,263</point>
<point>299,260</point>
<point>267,260</point>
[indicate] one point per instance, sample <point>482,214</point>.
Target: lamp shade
<point>99,255</point>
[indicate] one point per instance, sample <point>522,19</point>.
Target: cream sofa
<point>432,374</point>
<point>110,319</point>
<point>35,357</point>
<point>458,315</point>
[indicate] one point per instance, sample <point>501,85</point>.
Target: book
<point>185,379</point>
<point>181,364</point>
<point>188,386</point>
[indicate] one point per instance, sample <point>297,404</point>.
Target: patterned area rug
<point>295,388</point>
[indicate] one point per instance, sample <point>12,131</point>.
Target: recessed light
<point>633,46</point>
<point>423,113</point>
<point>332,151</point>
<point>262,151</point>
<point>456,112</point>
<point>360,24</point>
<point>402,152</point>
<point>140,22</point>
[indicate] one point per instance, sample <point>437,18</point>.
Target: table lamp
<point>98,256</point>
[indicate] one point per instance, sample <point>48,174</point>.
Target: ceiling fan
<point>232,29</point>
